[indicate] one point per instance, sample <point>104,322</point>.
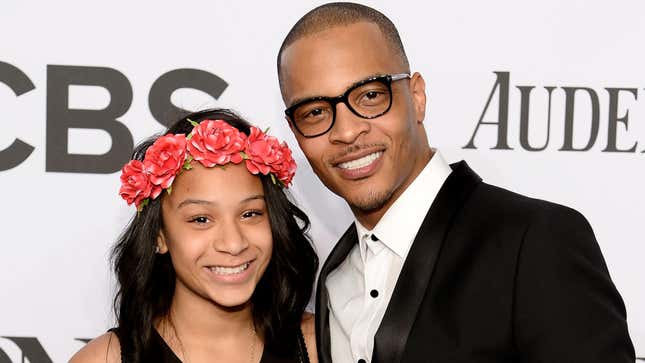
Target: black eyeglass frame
<point>386,79</point>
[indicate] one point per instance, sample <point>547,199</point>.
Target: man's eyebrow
<point>306,98</point>
<point>300,99</point>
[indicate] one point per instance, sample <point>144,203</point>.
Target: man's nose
<point>347,126</point>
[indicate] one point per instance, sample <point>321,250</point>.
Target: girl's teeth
<point>220,270</point>
<point>362,162</point>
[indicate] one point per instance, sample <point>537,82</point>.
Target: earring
<point>157,249</point>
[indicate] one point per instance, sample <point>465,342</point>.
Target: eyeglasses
<point>369,98</point>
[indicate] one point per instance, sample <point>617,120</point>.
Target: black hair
<point>146,280</point>
<point>343,13</point>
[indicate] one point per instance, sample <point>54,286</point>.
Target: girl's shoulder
<point>103,349</point>
<point>308,328</point>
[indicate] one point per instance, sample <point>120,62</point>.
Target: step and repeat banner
<point>544,98</point>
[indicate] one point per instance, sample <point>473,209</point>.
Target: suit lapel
<point>336,257</point>
<point>411,286</point>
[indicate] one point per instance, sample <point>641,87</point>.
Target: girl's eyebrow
<point>186,202</point>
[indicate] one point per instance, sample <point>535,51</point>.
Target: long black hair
<point>146,280</point>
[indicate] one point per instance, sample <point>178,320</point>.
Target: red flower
<point>135,183</point>
<point>287,169</point>
<point>215,142</point>
<point>164,159</point>
<point>266,155</point>
<point>212,142</point>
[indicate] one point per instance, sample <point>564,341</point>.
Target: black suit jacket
<point>494,276</point>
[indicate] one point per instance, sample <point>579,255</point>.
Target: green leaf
<point>273,178</point>
<point>190,136</point>
<point>169,190</point>
<point>192,122</point>
<point>187,165</point>
<point>244,156</point>
<point>142,205</point>
<point>267,130</point>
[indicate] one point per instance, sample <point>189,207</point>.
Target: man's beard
<point>371,201</point>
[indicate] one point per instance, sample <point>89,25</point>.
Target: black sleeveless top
<point>162,353</point>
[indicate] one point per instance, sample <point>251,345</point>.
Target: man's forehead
<point>328,62</point>
<point>356,30</point>
<point>355,38</point>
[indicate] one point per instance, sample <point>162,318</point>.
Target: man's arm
<point>566,307</point>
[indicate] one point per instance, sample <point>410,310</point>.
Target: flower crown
<point>211,142</point>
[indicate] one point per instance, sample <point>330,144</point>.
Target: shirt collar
<point>399,225</point>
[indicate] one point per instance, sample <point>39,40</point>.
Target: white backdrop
<point>57,227</point>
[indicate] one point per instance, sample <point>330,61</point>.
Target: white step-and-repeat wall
<point>545,98</point>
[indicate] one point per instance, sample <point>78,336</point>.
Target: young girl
<point>215,266</point>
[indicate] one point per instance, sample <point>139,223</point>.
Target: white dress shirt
<point>362,285</point>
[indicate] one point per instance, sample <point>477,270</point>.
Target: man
<point>438,266</point>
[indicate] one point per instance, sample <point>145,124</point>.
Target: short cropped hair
<point>342,13</point>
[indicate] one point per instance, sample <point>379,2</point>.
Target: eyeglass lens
<point>367,100</point>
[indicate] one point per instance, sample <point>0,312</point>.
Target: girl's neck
<point>194,315</point>
<point>197,329</point>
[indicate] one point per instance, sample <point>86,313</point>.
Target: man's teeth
<point>221,270</point>
<point>362,162</point>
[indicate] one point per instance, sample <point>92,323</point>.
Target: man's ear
<point>162,246</point>
<point>418,92</point>
<point>286,118</point>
